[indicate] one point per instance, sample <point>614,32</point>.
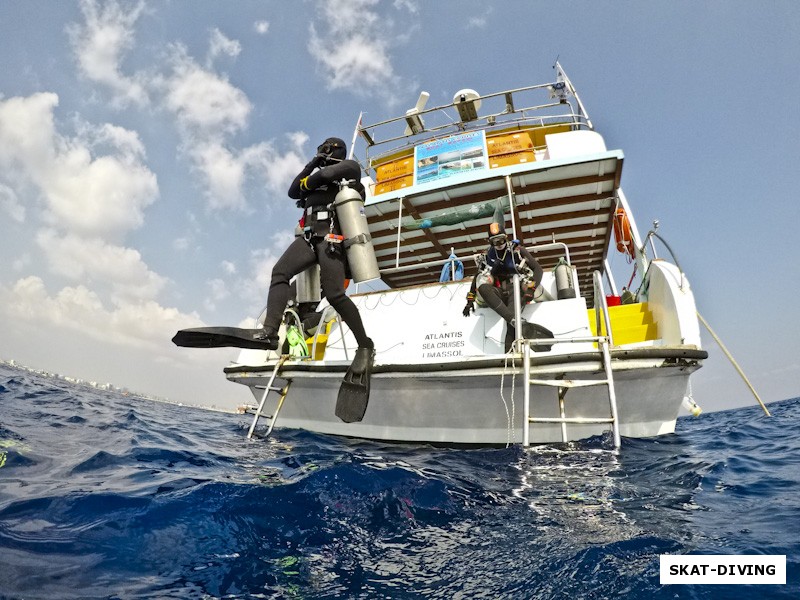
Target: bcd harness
<point>508,267</point>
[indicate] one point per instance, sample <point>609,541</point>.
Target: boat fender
<point>691,406</point>
<point>358,246</point>
<point>565,286</point>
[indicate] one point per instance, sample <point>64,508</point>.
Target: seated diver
<point>494,285</point>
<point>315,189</point>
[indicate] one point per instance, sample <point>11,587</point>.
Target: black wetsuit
<point>315,191</point>
<point>499,296</point>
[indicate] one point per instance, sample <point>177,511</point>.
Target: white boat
<point>442,377</point>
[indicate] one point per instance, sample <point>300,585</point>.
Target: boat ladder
<point>271,387</point>
<point>564,385</point>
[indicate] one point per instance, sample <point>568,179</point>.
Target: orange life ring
<point>622,232</point>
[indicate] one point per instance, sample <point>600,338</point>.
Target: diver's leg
<point>296,259</point>
<point>495,300</point>
<point>331,268</point>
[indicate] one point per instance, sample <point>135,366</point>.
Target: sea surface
<point>107,496</point>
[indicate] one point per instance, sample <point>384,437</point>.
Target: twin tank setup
<point>349,207</point>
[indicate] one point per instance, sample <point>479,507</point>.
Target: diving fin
<point>532,331</point>
<point>222,337</point>
<point>354,391</point>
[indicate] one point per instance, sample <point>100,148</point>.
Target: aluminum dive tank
<point>565,286</point>
<point>357,240</point>
<point>309,288</point>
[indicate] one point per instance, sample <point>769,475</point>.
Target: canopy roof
<point>570,200</point>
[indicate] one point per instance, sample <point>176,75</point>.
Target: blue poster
<point>448,156</point>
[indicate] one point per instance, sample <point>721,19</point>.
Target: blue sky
<point>146,149</point>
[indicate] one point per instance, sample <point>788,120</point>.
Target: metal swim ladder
<point>270,387</point>
<point>563,384</point>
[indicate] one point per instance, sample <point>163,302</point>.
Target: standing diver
<point>315,189</point>
<point>494,285</point>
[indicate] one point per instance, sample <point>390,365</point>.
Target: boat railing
<point>430,263</point>
<point>453,258</point>
<point>500,110</point>
<point>651,235</point>
<point>601,307</point>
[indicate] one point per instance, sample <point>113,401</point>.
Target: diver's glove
<point>470,307</point>
<point>315,162</point>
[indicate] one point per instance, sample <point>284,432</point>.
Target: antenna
<point>467,103</point>
<point>413,120</point>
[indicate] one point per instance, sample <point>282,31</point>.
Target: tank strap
<point>361,238</point>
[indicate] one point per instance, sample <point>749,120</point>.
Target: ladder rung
<point>576,420</point>
<point>569,383</point>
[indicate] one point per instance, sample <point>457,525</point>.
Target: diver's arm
<point>346,169</point>
<point>533,264</point>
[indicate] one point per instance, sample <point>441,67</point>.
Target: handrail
<point>600,293</point>
<point>322,323</point>
<point>552,246</point>
<point>502,113</point>
<point>427,263</point>
<point>441,261</point>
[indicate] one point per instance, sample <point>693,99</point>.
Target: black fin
<point>532,331</point>
<point>354,391</point>
<point>223,337</point>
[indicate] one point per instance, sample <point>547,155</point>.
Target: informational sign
<point>459,339</point>
<point>462,153</point>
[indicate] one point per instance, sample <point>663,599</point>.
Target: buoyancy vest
<point>503,264</point>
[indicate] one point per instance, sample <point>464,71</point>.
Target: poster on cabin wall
<point>453,155</point>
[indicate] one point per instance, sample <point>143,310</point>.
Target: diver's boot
<point>363,358</point>
<point>533,331</point>
<point>269,336</point>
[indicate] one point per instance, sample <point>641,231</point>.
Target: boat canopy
<point>433,193</point>
<point>570,203</point>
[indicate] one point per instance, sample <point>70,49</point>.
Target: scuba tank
<point>357,241</point>
<point>308,284</point>
<point>565,286</point>
<point>483,277</point>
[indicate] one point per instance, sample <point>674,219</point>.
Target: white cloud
<point>21,263</point>
<point>476,23</point>
<point>92,259</point>
<point>100,44</point>
<point>218,291</point>
<point>410,5</point>
<point>205,103</point>
<point>220,44</point>
<point>209,110</point>
<point>10,204</point>
<point>226,171</point>
<point>224,174</point>
<point>254,287</point>
<point>261,27</point>
<point>229,267</point>
<point>83,193</point>
<point>349,42</point>
<point>136,324</point>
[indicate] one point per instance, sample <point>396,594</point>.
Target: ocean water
<point>105,496</point>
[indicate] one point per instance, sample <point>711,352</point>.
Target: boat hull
<point>484,404</point>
